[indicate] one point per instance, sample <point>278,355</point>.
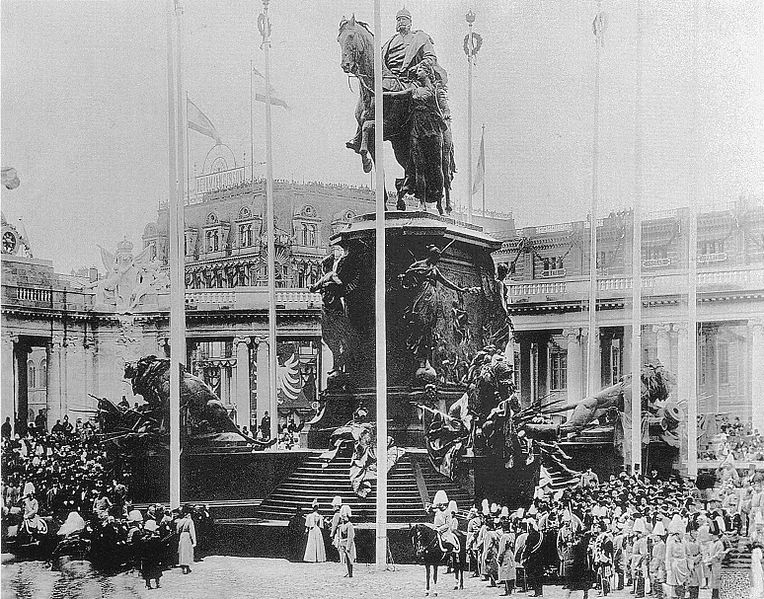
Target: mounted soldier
<point>445,522</point>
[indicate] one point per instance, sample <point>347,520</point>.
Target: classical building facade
<point>548,290</point>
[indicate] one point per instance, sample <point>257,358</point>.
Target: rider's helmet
<point>345,511</point>
<point>452,507</point>
<point>403,12</point>
<point>441,499</point>
<point>337,501</point>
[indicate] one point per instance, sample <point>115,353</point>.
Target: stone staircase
<point>411,484</point>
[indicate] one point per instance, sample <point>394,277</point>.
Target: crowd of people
<point>654,536</point>
<point>62,489</point>
<point>735,440</point>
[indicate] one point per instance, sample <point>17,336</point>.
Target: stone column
<point>756,327</point>
<point>595,372</point>
<point>263,391</point>
<point>56,390</point>
<point>75,375</point>
<point>575,363</point>
<point>242,399</point>
<point>662,333</point>
<point>8,388</point>
<point>91,380</point>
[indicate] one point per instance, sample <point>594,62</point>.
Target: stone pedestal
<point>458,324</point>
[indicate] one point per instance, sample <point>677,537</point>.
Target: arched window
<point>311,235</point>
<point>31,375</point>
<point>305,234</point>
<point>212,218</point>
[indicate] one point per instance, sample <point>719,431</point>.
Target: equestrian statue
<point>417,120</point>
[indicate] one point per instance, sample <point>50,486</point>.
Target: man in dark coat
<point>296,536</point>
<point>531,560</point>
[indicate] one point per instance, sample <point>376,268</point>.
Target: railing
<point>35,294</point>
<point>41,297</point>
<point>553,273</point>
<point>556,287</point>
<point>656,284</point>
<point>239,298</point>
<point>555,228</point>
<point>220,180</point>
<point>715,257</point>
<point>656,262</point>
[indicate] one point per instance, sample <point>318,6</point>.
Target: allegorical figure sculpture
<point>428,304</point>
<point>202,411</point>
<point>426,137</point>
<point>128,278</point>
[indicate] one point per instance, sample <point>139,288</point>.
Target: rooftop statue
<point>129,278</point>
<point>416,114</point>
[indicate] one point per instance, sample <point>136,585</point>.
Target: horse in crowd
<point>429,552</point>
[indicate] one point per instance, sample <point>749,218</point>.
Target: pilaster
<point>8,388</point>
<point>756,328</point>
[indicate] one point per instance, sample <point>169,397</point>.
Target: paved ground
<point>241,578</point>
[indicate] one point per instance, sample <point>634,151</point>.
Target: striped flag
<point>480,171</point>
<point>198,121</point>
<point>260,95</point>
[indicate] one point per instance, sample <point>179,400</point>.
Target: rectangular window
<point>558,363</point>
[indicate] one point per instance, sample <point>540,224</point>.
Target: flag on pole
<point>480,171</point>
<point>198,121</point>
<point>598,27</point>
<point>260,95</point>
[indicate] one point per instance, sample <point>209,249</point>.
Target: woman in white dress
<point>314,548</point>
<point>186,539</point>
<point>757,572</point>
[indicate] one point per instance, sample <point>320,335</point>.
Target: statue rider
<point>401,54</point>
<point>444,521</point>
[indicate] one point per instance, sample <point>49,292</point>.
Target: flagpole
<point>636,268</point>
<point>265,29</point>
<point>470,20</point>
<point>175,215</point>
<point>380,298</point>
<point>482,153</point>
<point>252,120</point>
<point>188,158</point>
<point>592,382</point>
<point>692,271</point>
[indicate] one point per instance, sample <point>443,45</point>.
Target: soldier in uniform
<point>444,522</point>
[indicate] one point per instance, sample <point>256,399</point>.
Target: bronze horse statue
<point>428,551</point>
<point>357,44</point>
